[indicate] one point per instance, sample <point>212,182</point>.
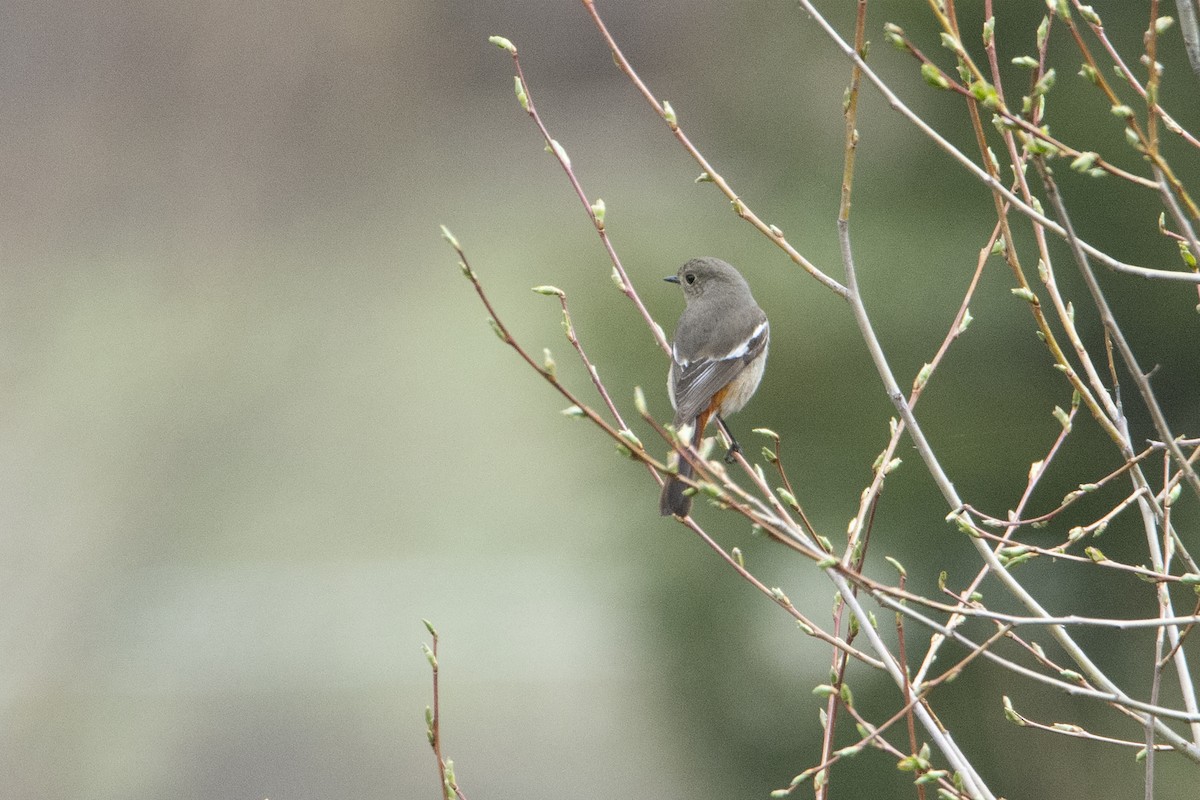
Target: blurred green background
<point>256,428</point>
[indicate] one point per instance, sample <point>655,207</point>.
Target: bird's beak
<point>672,279</point>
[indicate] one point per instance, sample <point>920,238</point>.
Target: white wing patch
<point>744,347</point>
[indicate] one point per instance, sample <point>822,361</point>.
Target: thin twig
<point>433,718</point>
<point>560,154</point>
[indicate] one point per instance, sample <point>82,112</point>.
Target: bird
<point>718,355</point>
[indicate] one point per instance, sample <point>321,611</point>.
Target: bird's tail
<point>673,499</point>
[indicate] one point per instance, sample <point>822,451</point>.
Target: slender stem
<point>1118,337</point>
<point>980,174</point>
<point>565,162</point>
<point>739,205</point>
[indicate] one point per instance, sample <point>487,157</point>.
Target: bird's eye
<point>690,278</point>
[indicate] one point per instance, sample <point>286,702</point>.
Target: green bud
<point>1122,111</point>
<point>1042,32</point>
<point>1190,579</point>
<point>616,279</point>
<point>522,98</point>
<point>1185,253</point>
<point>1028,62</point>
<point>895,35</point>
<point>548,363</point>
<point>897,565</point>
<point>1024,293</point>
<point>703,177</point>
<point>1089,72</point>
<point>1094,554</point>
<point>668,114</point>
<point>449,237</point>
<point>1063,418</point>
<point>557,149</point>
<point>787,497</point>
<point>989,30</point>
<point>1089,14</point>
<point>429,627</point>
<point>985,93</point>
<point>824,690</point>
<point>770,434</point>
<point>1045,83</point>
<point>964,72</point>
<point>503,44</point>
<point>934,77</point>
<point>736,553</point>
<point>1010,713</point>
<point>1163,24</point>
<point>549,290</point>
<point>1017,561</point>
<point>639,401</point>
<point>496,329</point>
<point>966,322</point>
<point>631,438</point>
<point>950,43</point>
<point>429,656</point>
<point>1084,161</point>
<point>1040,147</point>
<point>572,411</point>
<point>923,376</point>
<point>598,211</point>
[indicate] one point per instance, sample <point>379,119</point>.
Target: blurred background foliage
<point>255,428</point>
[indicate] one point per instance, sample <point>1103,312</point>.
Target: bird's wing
<point>695,381</point>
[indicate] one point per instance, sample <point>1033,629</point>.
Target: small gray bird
<point>717,359</point>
